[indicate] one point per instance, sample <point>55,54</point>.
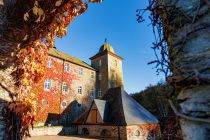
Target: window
<point>99,63</point>
<point>64,87</point>
<point>63,104</point>
<point>92,74</point>
<point>47,84</point>
<point>115,63</point>
<point>49,62</point>
<point>92,92</point>
<point>66,67</point>
<point>79,90</point>
<point>44,102</point>
<point>137,133</point>
<point>99,93</point>
<point>80,71</point>
<point>99,76</point>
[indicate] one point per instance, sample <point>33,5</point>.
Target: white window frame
<point>64,87</point>
<point>79,90</point>
<point>49,62</point>
<point>66,67</point>
<point>99,93</point>
<point>91,93</point>
<point>80,71</point>
<point>47,85</point>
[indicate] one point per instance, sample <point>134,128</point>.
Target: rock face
<point>189,45</point>
<point>6,81</point>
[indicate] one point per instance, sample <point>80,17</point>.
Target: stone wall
<point>115,71</point>
<point>133,132</point>
<point>7,84</point>
<point>62,108</point>
<point>142,132</point>
<point>53,130</point>
<point>102,84</point>
<point>102,131</point>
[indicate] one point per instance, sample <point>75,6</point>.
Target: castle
<point>70,85</point>
<point>92,98</point>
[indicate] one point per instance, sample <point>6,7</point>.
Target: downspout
<point>61,88</point>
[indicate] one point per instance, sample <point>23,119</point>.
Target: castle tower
<point>109,69</point>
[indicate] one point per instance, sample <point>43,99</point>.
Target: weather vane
<point>105,40</point>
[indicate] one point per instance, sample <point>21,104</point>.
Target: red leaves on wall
<point>57,75</point>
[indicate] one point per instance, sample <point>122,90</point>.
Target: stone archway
<point>105,133</point>
<point>85,132</point>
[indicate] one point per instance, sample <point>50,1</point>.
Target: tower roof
<point>107,47</point>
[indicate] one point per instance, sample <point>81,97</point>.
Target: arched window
<point>137,133</point>
<point>115,63</point>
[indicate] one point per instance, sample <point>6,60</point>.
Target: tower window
<point>99,77</point>
<point>99,93</point>
<point>99,63</point>
<point>80,90</point>
<point>49,62</point>
<point>80,71</point>
<point>64,87</point>
<point>66,67</point>
<point>47,84</point>
<point>115,63</point>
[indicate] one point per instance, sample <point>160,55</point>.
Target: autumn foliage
<point>54,95</point>
<point>43,20</point>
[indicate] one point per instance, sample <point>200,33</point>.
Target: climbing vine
<point>41,21</point>
<point>54,95</point>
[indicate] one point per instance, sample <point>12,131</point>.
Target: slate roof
<point>118,108</point>
<point>69,58</point>
<point>101,106</point>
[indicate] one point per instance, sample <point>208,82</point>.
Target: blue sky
<point>116,21</point>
